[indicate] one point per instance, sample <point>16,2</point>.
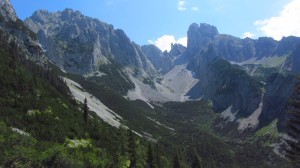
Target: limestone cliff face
<point>221,62</point>
<point>225,84</point>
<point>7,11</point>
<point>16,33</point>
<point>235,49</point>
<point>79,44</point>
<point>163,61</point>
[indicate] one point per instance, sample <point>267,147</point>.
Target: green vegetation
<point>20,26</point>
<point>269,133</point>
<point>41,126</point>
<point>115,78</point>
<point>149,82</point>
<point>293,131</point>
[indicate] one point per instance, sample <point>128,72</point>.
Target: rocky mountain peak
<point>80,44</point>
<point>199,36</point>
<point>208,30</point>
<point>70,13</point>
<point>176,50</point>
<point>7,11</point>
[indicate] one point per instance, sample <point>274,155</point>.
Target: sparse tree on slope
<point>293,128</point>
<point>85,111</point>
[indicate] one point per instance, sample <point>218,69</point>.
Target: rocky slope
<point>14,32</point>
<point>163,61</point>
<point>7,11</point>
<point>236,74</point>
<point>242,75</point>
<point>80,44</point>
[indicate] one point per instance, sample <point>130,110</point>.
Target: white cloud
<point>286,24</point>
<point>194,8</point>
<point>248,34</point>
<point>181,5</point>
<point>164,42</point>
<point>182,41</point>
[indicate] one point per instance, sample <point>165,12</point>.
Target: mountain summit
<point>79,44</point>
<point>7,11</point>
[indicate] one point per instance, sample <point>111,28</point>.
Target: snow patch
<point>94,104</point>
<point>252,121</point>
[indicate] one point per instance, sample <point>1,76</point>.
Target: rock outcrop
<point>79,44</point>
<point>7,11</point>
<point>221,63</point>
<point>16,33</point>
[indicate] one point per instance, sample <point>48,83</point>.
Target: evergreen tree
<point>176,162</point>
<point>150,157</point>
<point>293,128</point>
<point>157,156</point>
<point>132,150</point>
<point>197,163</point>
<point>85,111</point>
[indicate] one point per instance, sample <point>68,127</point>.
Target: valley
<point>222,101</point>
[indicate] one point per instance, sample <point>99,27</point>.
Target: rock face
<point>79,44</point>
<point>226,85</point>
<point>221,63</point>
<point>176,50</point>
<point>163,61</point>
<point>7,11</point>
<point>199,36</point>
<point>279,88</point>
<point>14,32</point>
<point>235,49</point>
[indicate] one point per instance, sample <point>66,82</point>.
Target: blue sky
<point>164,21</point>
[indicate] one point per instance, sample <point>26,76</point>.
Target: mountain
<point>80,44</point>
<point>233,73</point>
<point>7,11</point>
<point>163,61</point>
<point>14,32</point>
<point>41,124</point>
<point>240,75</point>
<point>219,102</point>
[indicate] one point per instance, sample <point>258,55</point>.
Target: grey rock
<point>79,44</point>
<point>176,50</point>
<point>211,56</point>
<point>279,88</point>
<point>161,60</point>
<point>16,32</point>
<point>225,84</point>
<point>7,11</point>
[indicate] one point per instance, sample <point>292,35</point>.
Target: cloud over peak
<point>285,24</point>
<point>248,34</point>
<point>164,42</point>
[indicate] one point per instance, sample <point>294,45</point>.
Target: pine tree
<point>197,163</point>
<point>150,157</point>
<point>132,150</point>
<point>176,162</point>
<point>293,128</point>
<point>85,111</point>
<point>157,156</point>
